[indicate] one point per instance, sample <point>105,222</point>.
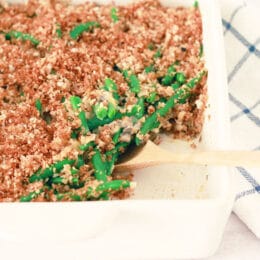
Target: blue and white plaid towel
<point>241,23</point>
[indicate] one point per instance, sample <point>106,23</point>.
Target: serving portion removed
<point>80,85</point>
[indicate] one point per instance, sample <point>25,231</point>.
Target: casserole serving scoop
<point>150,154</point>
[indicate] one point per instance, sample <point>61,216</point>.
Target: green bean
<point>138,109</point>
<point>168,79</point>
<point>104,196</point>
<point>60,164</point>
<point>149,69</point>
<point>59,197</point>
<point>75,197</point>
<point>58,31</point>
<point>114,15</point>
<point>22,36</point>
<point>116,136</point>
<point>151,99</point>
<point>75,133</point>
<point>158,54</point>
<point>46,173</point>
<point>38,105</point>
<point>99,166</point>
<point>149,123</point>
<point>57,180</point>
<point>134,84</point>
<point>30,196</point>
<point>85,147</point>
<point>36,176</point>
<point>111,86</point>
<point>151,46</point>
<point>180,77</point>
<point>80,162</point>
<point>175,85</point>
<point>114,185</point>
<point>75,102</point>
<point>83,27</point>
<point>100,111</point>
<point>95,122</point>
<point>111,112</point>
<point>84,122</point>
<point>111,163</point>
<point>75,171</point>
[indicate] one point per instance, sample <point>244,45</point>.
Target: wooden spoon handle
<point>224,158</point>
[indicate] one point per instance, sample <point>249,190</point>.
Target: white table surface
<point>238,243</point>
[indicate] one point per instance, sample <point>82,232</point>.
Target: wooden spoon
<point>150,154</point>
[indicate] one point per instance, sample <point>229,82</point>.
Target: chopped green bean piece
<point>180,77</point>
<point>110,164</point>
<point>75,102</point>
<point>80,162</point>
<point>99,166</point>
<point>75,197</point>
<point>22,36</point>
<point>83,27</point>
<point>35,176</point>
<point>116,136</point>
<point>138,109</point>
<point>175,85</point>
<point>60,164</point>
<point>110,86</point>
<point>30,196</point>
<point>196,4</point>
<point>195,80</point>
<point>59,197</point>
<point>47,173</point>
<point>134,84</point>
<point>111,111</point>
<point>85,147</point>
<point>149,69</point>
<point>59,31</point>
<point>100,111</point>
<point>74,171</point>
<point>114,185</point>
<point>38,105</point>
<point>151,99</point>
<point>75,133</point>
<point>95,122</point>
<point>104,196</point>
<point>151,46</point>
<point>149,123</point>
<point>168,79</point>
<point>57,180</point>
<point>114,15</point>
<point>158,54</point>
<point>168,105</point>
<point>84,122</point>
<point>62,100</point>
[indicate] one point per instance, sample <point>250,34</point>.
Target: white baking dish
<point>175,212</point>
